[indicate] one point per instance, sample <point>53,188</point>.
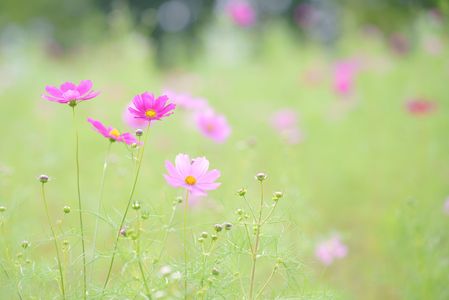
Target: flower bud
<point>43,178</point>
<point>215,272</point>
<point>145,215</point>
<point>227,226</point>
<point>261,176</point>
<point>214,237</point>
<point>242,192</point>
<point>239,212</point>
<point>218,227</point>
<point>134,145</point>
<point>200,240</point>
<point>2,209</point>
<point>136,205</point>
<point>139,132</point>
<point>204,235</point>
<point>179,200</point>
<point>66,209</point>
<point>65,242</point>
<point>277,196</point>
<point>25,244</point>
<point>123,232</point>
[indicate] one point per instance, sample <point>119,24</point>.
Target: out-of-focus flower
<point>329,251</point>
<point>344,76</point>
<point>71,93</point>
<point>433,45</point>
<point>446,206</point>
<point>192,174</point>
<point>305,15</point>
<point>112,133</point>
<point>242,13</point>
<point>146,107</point>
<point>420,106</point>
<point>213,126</point>
<point>285,122</point>
<point>399,43</point>
<point>186,101</point>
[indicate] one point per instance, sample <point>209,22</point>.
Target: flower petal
<point>183,164</point>
<point>84,87</point>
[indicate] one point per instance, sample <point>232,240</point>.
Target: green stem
<point>186,207</point>
<point>267,282</point>
<point>256,246</point>
<point>170,224</point>
<point>61,274</point>
<point>79,203</point>
<point>100,204</point>
<point>126,210</point>
<point>139,258</point>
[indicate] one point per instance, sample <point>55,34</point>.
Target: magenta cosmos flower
<point>192,175</point>
<point>329,251</point>
<point>242,13</point>
<point>213,126</point>
<point>146,107</point>
<point>71,93</point>
<point>344,76</point>
<point>112,133</point>
<point>131,121</point>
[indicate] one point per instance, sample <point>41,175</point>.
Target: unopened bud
<point>2,209</point>
<point>43,178</point>
<point>239,211</point>
<point>134,145</point>
<point>218,227</point>
<point>277,196</point>
<point>136,205</point>
<point>227,226</point>
<point>214,237</point>
<point>145,215</point>
<point>241,192</point>
<point>200,240</point>
<point>25,244</point>
<point>139,132</point>
<point>204,235</point>
<point>215,272</point>
<point>179,200</point>
<point>261,176</point>
<point>66,209</point>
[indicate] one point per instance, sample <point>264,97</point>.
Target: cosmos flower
<point>186,101</point>
<point>71,93</point>
<point>329,251</point>
<point>420,106</point>
<point>241,12</point>
<point>112,133</point>
<point>146,107</point>
<point>213,126</point>
<point>192,175</point>
<point>344,77</point>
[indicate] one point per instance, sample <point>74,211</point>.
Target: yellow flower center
<point>190,180</point>
<point>150,113</point>
<point>114,132</point>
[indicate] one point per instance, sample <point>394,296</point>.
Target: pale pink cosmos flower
<point>186,101</point>
<point>131,121</point>
<point>242,13</point>
<point>192,175</point>
<point>344,77</point>
<point>285,122</point>
<point>420,106</point>
<point>112,133</point>
<point>329,251</point>
<point>69,92</point>
<point>446,206</point>
<point>213,126</point>
<point>146,107</point>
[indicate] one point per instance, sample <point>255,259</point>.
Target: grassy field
<point>367,170</point>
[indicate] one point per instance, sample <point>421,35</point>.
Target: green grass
<point>375,174</point>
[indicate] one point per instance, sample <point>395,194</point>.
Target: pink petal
<point>208,186</point>
<point>210,176</point>
<point>90,95</point>
<point>183,164</point>
<point>53,91</point>
<point>67,86</point>
<point>199,167</point>
<point>172,171</point>
<point>84,87</point>
<point>173,181</point>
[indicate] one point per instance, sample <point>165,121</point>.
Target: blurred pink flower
<point>133,122</point>
<point>186,101</point>
<point>420,106</point>
<point>146,107</point>
<point>329,251</point>
<point>344,76</point>
<point>446,206</point>
<point>192,175</point>
<point>112,133</point>
<point>399,43</point>
<point>213,126</point>
<point>433,45</point>
<point>241,12</point>
<point>285,122</point>
<point>69,92</point>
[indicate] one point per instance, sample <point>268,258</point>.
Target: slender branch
<point>170,223</point>
<point>139,258</point>
<point>61,274</point>
<point>186,207</point>
<point>79,202</point>
<point>268,281</point>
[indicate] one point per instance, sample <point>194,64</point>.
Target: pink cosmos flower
<point>213,126</point>
<point>285,122</point>
<point>131,121</point>
<point>112,133</point>
<point>146,107</point>
<point>241,12</point>
<point>420,106</point>
<point>192,175</point>
<point>186,101</point>
<point>344,76</point>
<point>329,251</point>
<point>69,92</point>
<point>446,206</point>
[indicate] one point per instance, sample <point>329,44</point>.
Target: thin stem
<point>250,207</point>
<point>100,203</point>
<point>126,210</point>
<point>79,202</point>
<point>139,258</point>
<point>267,282</point>
<point>164,241</point>
<point>61,274</point>
<point>256,246</point>
<point>186,207</point>
<point>270,213</point>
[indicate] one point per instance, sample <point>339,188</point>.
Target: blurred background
<point>343,103</point>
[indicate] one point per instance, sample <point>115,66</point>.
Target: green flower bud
<point>2,209</point>
<point>136,205</point>
<point>227,226</point>
<point>218,227</point>
<point>25,244</point>
<point>261,176</point>
<point>204,235</point>
<point>215,272</point>
<point>277,196</point>
<point>241,192</point>
<point>214,237</point>
<point>43,178</point>
<point>66,209</point>
<point>200,240</point>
